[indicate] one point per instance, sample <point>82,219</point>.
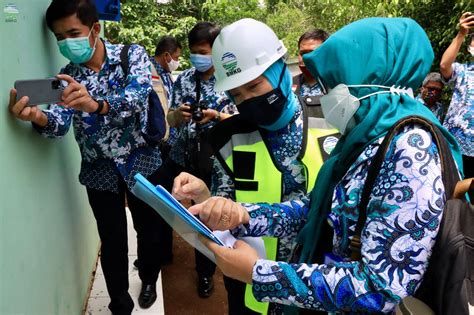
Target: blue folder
<point>178,217</point>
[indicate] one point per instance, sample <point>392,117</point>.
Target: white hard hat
<point>243,51</point>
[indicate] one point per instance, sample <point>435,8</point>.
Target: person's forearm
<point>449,56</point>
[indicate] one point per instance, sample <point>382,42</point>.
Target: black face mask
<point>266,109</point>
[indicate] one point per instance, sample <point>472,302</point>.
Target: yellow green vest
<point>257,179</point>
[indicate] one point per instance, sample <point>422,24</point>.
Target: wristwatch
<point>100,107</point>
<point>218,117</point>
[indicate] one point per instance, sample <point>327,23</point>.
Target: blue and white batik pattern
<point>437,109</point>
<point>310,90</point>
<point>184,88</point>
<point>111,145</point>
<point>285,147</point>
<point>460,116</point>
<point>404,213</point>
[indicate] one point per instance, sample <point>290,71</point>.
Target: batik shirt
<point>460,116</point>
<point>111,145</point>
<point>285,147</point>
<point>168,84</point>
<point>437,109</point>
<point>184,90</point>
<point>311,90</point>
<point>404,212</point>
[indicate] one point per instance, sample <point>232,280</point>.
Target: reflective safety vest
<point>247,159</point>
<point>245,155</point>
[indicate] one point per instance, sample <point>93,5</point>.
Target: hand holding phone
<point>40,91</point>
<point>22,111</point>
<point>466,22</point>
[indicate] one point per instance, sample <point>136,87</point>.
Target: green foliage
<point>289,22</point>
<point>144,21</point>
<point>225,12</point>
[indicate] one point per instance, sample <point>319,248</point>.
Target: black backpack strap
<point>449,175</point>
<point>124,59</point>
<point>197,77</point>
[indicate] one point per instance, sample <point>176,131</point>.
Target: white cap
<point>243,51</point>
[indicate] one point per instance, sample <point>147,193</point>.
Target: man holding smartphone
<point>107,111</point>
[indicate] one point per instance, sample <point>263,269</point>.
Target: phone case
<point>40,91</point>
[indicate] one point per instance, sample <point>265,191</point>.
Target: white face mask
<point>173,64</point>
<point>339,105</point>
<point>471,50</point>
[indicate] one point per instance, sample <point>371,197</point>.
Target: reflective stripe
<point>240,139</point>
<point>268,177</point>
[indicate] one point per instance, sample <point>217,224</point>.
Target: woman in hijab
<point>361,65</point>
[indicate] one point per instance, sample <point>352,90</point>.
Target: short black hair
<point>203,32</point>
<point>314,34</point>
<point>84,9</point>
<point>167,44</point>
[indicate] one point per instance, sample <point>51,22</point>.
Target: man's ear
<point>96,28</point>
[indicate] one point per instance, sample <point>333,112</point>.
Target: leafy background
<point>145,21</point>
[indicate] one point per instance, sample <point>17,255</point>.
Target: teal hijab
<point>382,51</point>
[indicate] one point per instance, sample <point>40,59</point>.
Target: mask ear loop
<point>90,32</point>
<point>392,90</point>
<point>321,85</point>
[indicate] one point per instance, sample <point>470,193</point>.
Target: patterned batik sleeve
<point>176,93</point>
<point>279,219</point>
<point>59,121</point>
<point>457,69</point>
<point>404,213</point>
<point>133,98</point>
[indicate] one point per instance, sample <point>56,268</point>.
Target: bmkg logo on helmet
<point>229,63</point>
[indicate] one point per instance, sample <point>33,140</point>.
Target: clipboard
<point>184,222</point>
<point>178,217</point>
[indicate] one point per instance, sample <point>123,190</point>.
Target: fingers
<point>219,213</point>
<point>178,183</point>
<point>66,78</point>
<point>12,101</point>
<point>196,209</point>
<point>465,14</point>
<point>184,108</point>
<point>30,113</point>
<point>187,186</point>
<point>72,92</point>
<point>209,114</point>
<point>17,108</point>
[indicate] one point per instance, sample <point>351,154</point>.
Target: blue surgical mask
<point>339,105</point>
<point>202,63</point>
<point>77,50</point>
